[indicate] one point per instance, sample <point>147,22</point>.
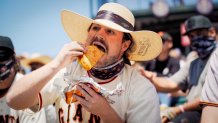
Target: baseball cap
<point>6,48</point>
<point>165,36</point>
<point>197,22</point>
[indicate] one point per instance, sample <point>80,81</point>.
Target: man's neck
<point>163,56</point>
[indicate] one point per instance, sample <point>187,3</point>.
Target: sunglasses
<point>6,66</point>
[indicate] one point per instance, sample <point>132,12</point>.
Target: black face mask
<point>5,69</point>
<point>203,45</point>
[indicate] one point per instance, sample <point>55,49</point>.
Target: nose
<point>100,34</point>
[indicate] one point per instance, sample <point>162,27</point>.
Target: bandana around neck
<point>109,71</point>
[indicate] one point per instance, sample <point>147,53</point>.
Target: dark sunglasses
<point>6,66</point>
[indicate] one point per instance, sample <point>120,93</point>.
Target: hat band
<point>103,14</point>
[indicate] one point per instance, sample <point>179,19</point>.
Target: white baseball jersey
<point>28,116</point>
<point>6,113</point>
<point>9,115</point>
<point>137,103</point>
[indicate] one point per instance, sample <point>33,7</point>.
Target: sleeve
<point>52,90</point>
<point>180,77</point>
<point>209,94</point>
<point>143,102</point>
<point>175,66</point>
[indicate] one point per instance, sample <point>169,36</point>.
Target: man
<point>164,65</point>
<point>35,62</point>
<point>192,76</point>
<point>8,70</point>
<point>209,93</point>
<point>112,32</point>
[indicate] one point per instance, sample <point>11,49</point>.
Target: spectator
<point>191,77</point>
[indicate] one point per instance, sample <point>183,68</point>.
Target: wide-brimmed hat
<point>147,44</point>
<point>39,59</point>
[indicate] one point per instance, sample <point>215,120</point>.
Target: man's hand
<point>148,74</point>
<point>169,114</point>
<point>97,104</point>
<point>91,100</point>
<point>69,53</point>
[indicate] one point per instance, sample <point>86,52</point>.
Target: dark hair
<point>127,37</point>
<point>5,53</point>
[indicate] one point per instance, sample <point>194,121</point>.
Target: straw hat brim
<point>42,59</point>
<point>147,44</point>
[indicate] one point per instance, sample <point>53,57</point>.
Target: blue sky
<point>35,25</point>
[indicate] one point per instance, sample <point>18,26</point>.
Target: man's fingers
<point>164,119</point>
<point>75,53</point>
<point>89,90</point>
<point>81,100</point>
<point>84,93</point>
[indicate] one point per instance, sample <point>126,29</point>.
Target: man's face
<point>7,82</point>
<point>35,65</point>
<point>197,33</point>
<point>109,41</point>
<point>167,45</point>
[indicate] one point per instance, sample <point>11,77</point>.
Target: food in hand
<point>91,57</point>
<point>69,94</point>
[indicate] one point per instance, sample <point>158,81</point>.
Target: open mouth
<point>100,46</point>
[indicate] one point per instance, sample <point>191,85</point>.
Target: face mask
<point>5,69</point>
<point>203,45</point>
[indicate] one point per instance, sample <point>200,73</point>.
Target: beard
<point>108,61</point>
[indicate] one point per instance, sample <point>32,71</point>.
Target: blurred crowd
<point>179,79</point>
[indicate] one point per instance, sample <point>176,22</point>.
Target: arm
<point>209,114</point>
<point>24,92</point>
<point>162,84</point>
<point>178,93</point>
<point>171,113</point>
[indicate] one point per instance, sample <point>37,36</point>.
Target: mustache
<point>99,39</point>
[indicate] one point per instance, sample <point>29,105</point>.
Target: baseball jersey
<point>137,103</point>
<point>209,94</point>
<point>7,114</point>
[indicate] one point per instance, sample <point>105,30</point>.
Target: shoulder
<point>173,60</point>
<point>18,76</point>
<point>134,78</point>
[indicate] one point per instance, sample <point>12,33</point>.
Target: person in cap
<point>8,73</point>
<point>112,32</point>
<point>163,65</point>
<point>191,77</point>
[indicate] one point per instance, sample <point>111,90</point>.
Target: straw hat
<point>147,44</point>
<point>40,59</point>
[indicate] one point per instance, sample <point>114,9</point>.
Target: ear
<point>212,32</point>
<point>170,44</point>
<point>125,45</point>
